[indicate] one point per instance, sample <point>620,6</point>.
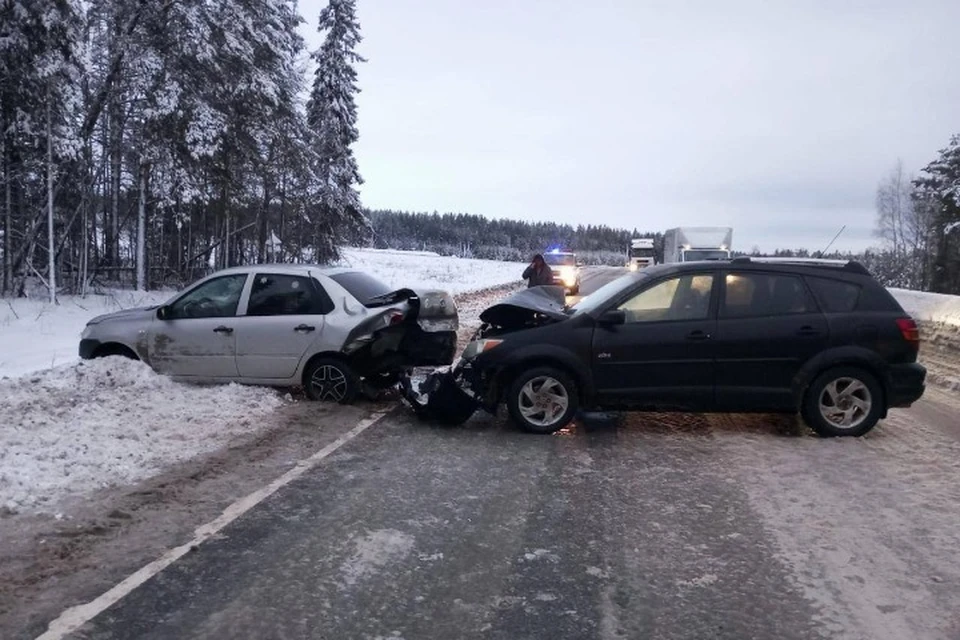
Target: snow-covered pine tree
<point>40,71</point>
<point>937,190</point>
<point>332,119</point>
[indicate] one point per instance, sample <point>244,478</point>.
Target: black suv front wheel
<point>542,400</point>
<point>845,401</point>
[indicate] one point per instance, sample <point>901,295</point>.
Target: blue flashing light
<point>555,250</point>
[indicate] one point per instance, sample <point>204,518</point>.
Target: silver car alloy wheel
<point>330,383</point>
<point>543,401</point>
<point>845,403</point>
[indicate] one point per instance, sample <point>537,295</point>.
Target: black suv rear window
<point>764,294</point>
<point>835,296</point>
<point>361,286</point>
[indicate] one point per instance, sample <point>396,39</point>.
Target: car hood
<point>136,313</point>
<point>523,308</point>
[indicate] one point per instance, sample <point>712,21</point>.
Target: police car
<point>566,269</point>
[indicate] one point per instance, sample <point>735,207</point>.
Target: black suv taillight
<point>909,330</point>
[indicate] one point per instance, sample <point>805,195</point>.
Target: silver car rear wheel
<point>330,380</point>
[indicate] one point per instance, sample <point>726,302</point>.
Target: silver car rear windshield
<point>362,286</point>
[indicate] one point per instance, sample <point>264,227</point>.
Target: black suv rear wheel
<point>844,401</point>
<point>542,400</point>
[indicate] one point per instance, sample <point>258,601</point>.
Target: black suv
<point>816,337</point>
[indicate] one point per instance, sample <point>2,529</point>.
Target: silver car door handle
<point>223,329</point>
<point>305,328</point>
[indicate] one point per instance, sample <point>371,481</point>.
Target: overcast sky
<point>777,118</point>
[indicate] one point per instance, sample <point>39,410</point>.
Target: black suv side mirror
<point>612,317</point>
<point>163,313</point>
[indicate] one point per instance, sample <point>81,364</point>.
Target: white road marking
<point>75,617</point>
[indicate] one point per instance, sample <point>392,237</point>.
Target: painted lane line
<point>75,617</point>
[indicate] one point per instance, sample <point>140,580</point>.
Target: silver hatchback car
<point>329,330</point>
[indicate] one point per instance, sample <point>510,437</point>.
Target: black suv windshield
<point>610,290</point>
<point>362,286</point>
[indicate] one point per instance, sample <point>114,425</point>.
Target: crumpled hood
<point>136,313</point>
<point>520,308</point>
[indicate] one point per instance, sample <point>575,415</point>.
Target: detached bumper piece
<point>438,399</point>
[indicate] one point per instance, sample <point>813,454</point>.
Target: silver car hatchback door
<point>284,316</point>
<point>198,336</point>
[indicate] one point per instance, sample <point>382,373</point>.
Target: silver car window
<point>217,298</point>
<point>276,294</point>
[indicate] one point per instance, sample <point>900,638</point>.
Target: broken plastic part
<point>438,398</point>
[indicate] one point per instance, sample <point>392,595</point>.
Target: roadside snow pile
<point>939,318</point>
<point>421,270</point>
<point>35,334</point>
<point>76,428</point>
<point>929,307</point>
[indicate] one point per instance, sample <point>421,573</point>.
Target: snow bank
<point>421,270</point>
<point>35,334</point>
<point>929,307</point>
<point>75,428</point>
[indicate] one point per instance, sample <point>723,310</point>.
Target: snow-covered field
<point>35,334</point>
<point>422,269</point>
<point>69,427</point>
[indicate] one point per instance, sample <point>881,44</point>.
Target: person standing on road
<point>538,273</point>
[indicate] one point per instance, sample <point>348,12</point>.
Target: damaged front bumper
<point>452,395</point>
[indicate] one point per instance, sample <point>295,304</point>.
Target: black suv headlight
<point>477,347</point>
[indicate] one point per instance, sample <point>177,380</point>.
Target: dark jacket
<point>536,278</point>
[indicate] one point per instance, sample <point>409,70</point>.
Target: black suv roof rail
<point>847,265</point>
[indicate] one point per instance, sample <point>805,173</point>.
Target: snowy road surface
<point>653,526</point>
<point>641,526</point>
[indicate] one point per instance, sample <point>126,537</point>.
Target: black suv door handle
<point>223,329</point>
<point>698,335</point>
<point>807,331</point>
<point>305,328</point>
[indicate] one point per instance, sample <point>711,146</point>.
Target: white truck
<point>687,244</point>
<point>640,254</point>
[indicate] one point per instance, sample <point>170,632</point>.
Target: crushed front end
<point>452,395</point>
